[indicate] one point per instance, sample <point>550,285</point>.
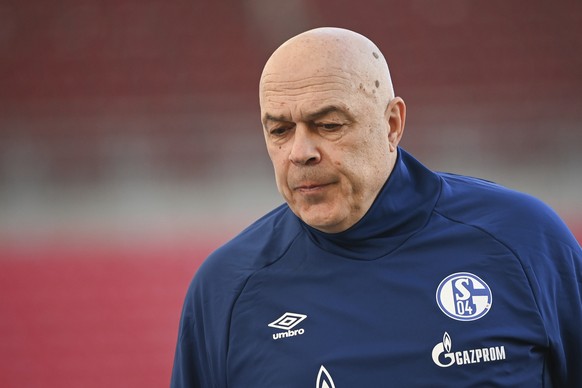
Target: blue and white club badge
<point>464,296</point>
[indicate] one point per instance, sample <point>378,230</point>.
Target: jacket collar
<point>403,207</point>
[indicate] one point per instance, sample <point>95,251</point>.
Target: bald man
<point>332,125</point>
<point>376,271</point>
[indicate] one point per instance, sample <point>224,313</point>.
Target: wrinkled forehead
<point>289,84</point>
<point>292,96</point>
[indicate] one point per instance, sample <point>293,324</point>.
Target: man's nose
<point>305,147</point>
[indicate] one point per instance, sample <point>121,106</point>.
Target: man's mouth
<point>311,187</point>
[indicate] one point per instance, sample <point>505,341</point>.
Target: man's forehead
<point>292,82</point>
<point>304,68</point>
<point>282,88</point>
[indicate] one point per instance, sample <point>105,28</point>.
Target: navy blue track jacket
<point>447,281</point>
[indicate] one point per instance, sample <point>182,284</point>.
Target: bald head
<point>335,52</point>
<point>331,124</point>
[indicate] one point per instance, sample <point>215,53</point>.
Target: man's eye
<point>279,131</point>
<point>329,126</point>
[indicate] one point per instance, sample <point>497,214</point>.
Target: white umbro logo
<point>287,322</point>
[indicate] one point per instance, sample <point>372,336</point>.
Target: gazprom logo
<point>464,296</point>
<point>443,356</point>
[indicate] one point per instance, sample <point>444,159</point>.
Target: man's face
<point>327,137</point>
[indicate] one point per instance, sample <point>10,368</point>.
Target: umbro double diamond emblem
<point>287,322</point>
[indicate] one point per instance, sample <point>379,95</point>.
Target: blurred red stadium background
<point>130,148</point>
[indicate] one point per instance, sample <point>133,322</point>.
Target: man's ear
<point>395,115</point>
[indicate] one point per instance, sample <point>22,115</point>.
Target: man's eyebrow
<point>310,116</point>
<point>324,111</point>
<point>270,117</point>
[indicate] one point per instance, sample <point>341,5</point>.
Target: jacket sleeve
<point>200,359</point>
<point>558,290</point>
<point>204,333</point>
<point>201,350</point>
<point>192,367</point>
<point>554,267</point>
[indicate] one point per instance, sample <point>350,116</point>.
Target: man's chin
<point>321,221</point>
